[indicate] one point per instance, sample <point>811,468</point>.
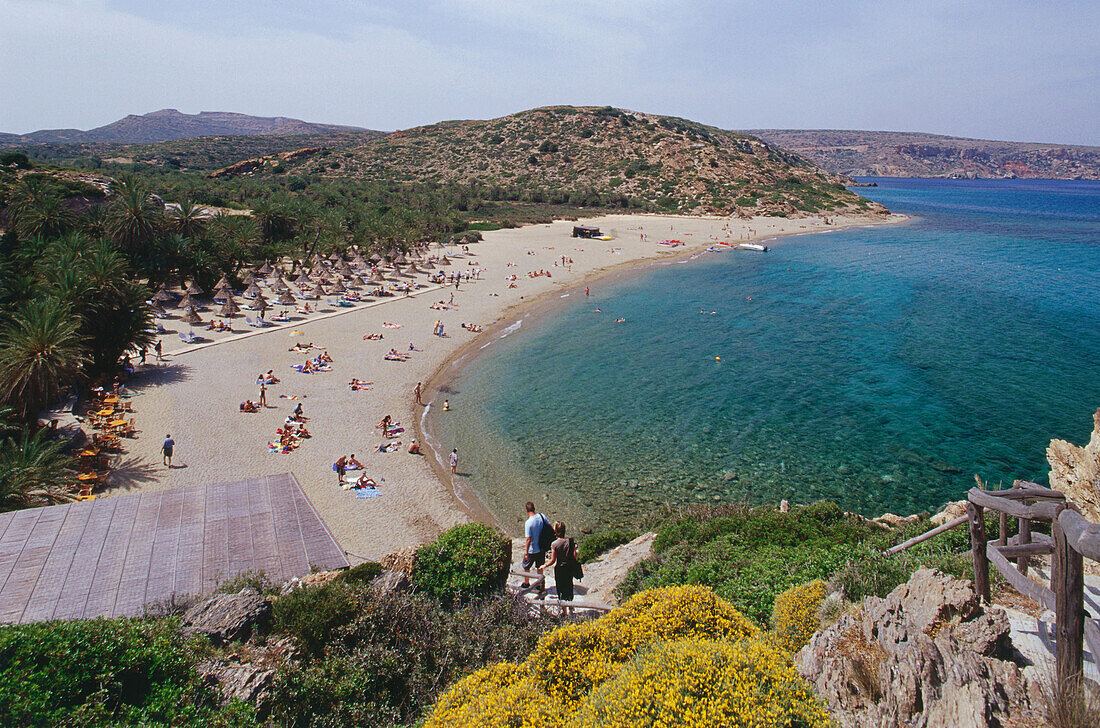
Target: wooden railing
<point>538,586</point>
<point>1072,540</point>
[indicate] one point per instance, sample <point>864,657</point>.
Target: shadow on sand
<point>159,375</point>
<point>132,472</point>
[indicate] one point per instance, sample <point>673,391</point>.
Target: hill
<point>168,124</point>
<point>912,154</point>
<point>566,153</point>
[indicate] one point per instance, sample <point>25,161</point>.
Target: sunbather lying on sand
<point>359,385</point>
<point>372,337</point>
<point>394,355</point>
<point>364,482</point>
<point>391,325</point>
<point>389,447</point>
<point>249,406</point>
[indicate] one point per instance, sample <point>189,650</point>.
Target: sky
<point>1022,70</point>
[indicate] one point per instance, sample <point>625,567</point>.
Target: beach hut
<point>285,299</point>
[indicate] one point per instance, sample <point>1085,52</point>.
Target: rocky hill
<point>168,124</point>
<point>628,158</point>
<point>910,154</point>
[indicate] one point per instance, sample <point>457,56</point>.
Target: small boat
<point>753,246</point>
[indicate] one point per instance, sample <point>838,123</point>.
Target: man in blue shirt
<point>533,552</point>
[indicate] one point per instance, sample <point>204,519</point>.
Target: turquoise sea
<point>878,367</point>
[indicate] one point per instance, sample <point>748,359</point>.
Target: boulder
<point>228,617</point>
<point>1075,471</point>
<point>928,654</point>
<point>949,512</point>
<point>247,672</point>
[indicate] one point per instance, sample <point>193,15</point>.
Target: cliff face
<point>910,154</point>
<point>1075,471</point>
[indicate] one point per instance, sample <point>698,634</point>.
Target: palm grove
<point>78,264</point>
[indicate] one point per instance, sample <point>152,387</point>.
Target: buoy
<point>717,358</point>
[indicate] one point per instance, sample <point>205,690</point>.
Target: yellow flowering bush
<point>742,684</point>
<point>794,616</point>
<point>498,696</point>
<point>678,656</point>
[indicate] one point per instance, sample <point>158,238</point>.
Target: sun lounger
<point>189,337</point>
<point>253,324</point>
<point>161,329</point>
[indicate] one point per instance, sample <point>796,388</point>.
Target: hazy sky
<point>1024,70</point>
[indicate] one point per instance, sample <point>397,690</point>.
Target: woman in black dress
<point>563,557</point>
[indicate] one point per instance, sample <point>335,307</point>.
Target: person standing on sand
<point>166,448</point>
<point>586,291</point>
<point>159,352</point>
<point>417,394</point>
<point>454,461</point>
<point>341,468</point>
<point>263,393</point>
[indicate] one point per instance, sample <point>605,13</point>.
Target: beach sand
<point>195,394</point>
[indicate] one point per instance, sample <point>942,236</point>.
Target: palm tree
<point>116,324</point>
<point>33,471</point>
<point>45,217</point>
<point>40,352</point>
<point>134,219</point>
<point>189,219</point>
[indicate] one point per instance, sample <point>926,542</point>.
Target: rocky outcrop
<point>928,654</point>
<point>247,672</point>
<point>1075,471</point>
<point>228,617</point>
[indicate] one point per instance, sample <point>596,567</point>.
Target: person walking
<point>166,449</point>
<point>537,540</point>
<point>454,461</point>
<point>417,393</point>
<point>563,557</point>
<point>263,393</point>
<point>159,351</point>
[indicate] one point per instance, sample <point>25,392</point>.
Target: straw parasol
<point>260,303</point>
<point>285,299</point>
<point>186,301</point>
<point>375,258</point>
<point>229,308</point>
<point>377,277</point>
<point>338,287</point>
<point>223,282</point>
<point>401,259</point>
<point>302,278</point>
<point>319,290</point>
<point>356,282</point>
<point>158,309</point>
<point>252,291</point>
<point>221,294</point>
<point>163,296</point>
<point>265,269</point>
<point>444,261</point>
<point>428,265</point>
<point>193,288</point>
<point>334,256</point>
<point>191,317</point>
<point>249,279</point>
<point>412,269</point>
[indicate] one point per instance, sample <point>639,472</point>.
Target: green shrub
<point>16,159</point>
<point>312,614</point>
<point>600,543</point>
<point>466,561</point>
<point>118,672</point>
<point>257,580</point>
<point>363,573</point>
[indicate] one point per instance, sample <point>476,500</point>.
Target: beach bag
<point>546,535</point>
<point>577,571</point>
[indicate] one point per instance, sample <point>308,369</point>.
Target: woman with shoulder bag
<point>563,557</point>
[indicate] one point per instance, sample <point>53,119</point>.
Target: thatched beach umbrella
<point>444,261</point>
<point>252,291</point>
<point>163,296</point>
<point>285,299</point>
<point>377,277</point>
<point>186,301</point>
<point>356,282</point>
<point>401,259</point>
<point>412,269</point>
<point>229,308</point>
<point>302,278</point>
<point>375,258</point>
<point>191,317</point>
<point>338,287</point>
<point>319,290</point>
<point>261,303</point>
<point>265,269</point>
<point>428,265</point>
<point>221,295</point>
<point>223,282</point>
<point>193,288</point>
<point>157,309</point>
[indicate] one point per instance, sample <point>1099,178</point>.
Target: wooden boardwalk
<point>110,557</point>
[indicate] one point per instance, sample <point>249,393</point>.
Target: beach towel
<point>291,396</point>
<point>367,493</point>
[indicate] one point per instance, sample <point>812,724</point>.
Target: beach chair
<point>252,323</point>
<point>129,429</point>
<point>161,329</point>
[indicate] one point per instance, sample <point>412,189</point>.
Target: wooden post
<point>1068,583</point>
<point>1002,538</point>
<point>1025,538</point>
<point>977,543</point>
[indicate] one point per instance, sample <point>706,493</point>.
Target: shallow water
<point>878,367</point>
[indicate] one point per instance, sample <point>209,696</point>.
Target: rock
<point>893,520</point>
<point>1075,471</point>
<point>927,655</point>
<point>949,512</point>
<point>784,506</point>
<point>228,617</point>
<point>247,673</point>
<point>391,581</point>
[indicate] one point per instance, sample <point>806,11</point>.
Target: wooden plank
<point>17,591</point>
<point>1092,637</point>
<point>13,541</point>
<point>139,557</point>
<point>1039,512</point>
<point>51,582</point>
<point>215,554</point>
<point>1068,582</point>
<point>1083,536</point>
<point>164,555</point>
<point>78,582</point>
<point>1025,550</point>
<point>1023,537</point>
<point>188,571</point>
<point>240,531</point>
<point>976,515</point>
<point>1019,582</point>
<point>292,551</point>
<point>322,550</point>
<point>112,560</point>
<point>926,535</point>
<point>572,605</point>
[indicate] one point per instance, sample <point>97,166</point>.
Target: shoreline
<point>195,396</point>
<point>449,370</point>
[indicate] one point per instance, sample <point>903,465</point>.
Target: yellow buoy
<point>717,358</point>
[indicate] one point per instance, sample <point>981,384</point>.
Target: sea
<point>880,367</point>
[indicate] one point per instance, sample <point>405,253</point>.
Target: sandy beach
<point>195,394</point>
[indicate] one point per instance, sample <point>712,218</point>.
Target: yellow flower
<point>794,615</point>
